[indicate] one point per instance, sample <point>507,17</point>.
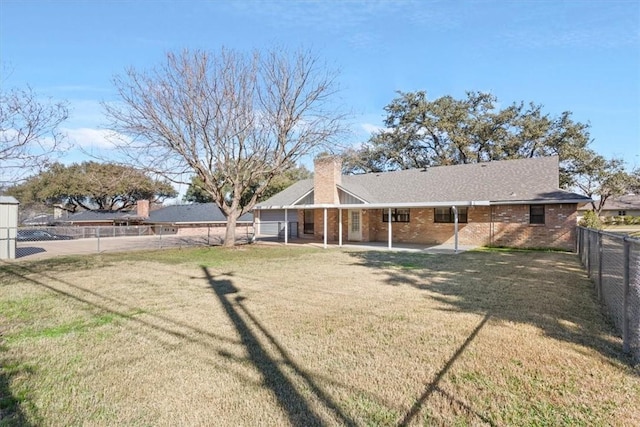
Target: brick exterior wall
<point>512,228</point>
<point>506,225</point>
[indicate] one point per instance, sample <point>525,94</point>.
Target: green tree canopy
<point>91,186</point>
<point>421,133</point>
<point>600,178</point>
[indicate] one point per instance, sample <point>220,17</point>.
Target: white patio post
<point>325,227</point>
<point>390,232</point>
<point>286,226</point>
<point>455,227</point>
<point>340,227</point>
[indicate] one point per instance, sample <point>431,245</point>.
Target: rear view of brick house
<point>515,203</point>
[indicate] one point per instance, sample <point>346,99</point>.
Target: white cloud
<point>371,128</point>
<point>88,137</point>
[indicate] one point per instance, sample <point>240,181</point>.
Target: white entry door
<point>355,225</point>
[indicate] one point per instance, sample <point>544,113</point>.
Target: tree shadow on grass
<point>296,406</point>
<point>11,413</point>
<point>298,409</point>
<point>548,290</point>
<point>24,251</point>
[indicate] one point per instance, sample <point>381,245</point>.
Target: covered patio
<point>372,246</point>
<point>350,216</point>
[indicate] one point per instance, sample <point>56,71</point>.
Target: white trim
<point>455,227</point>
<point>427,204</point>
<point>190,222</point>
<point>540,202</point>
<point>324,225</point>
<point>286,227</point>
<point>381,205</point>
<point>340,227</point>
<point>390,232</point>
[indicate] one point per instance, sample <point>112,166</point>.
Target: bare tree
<point>29,133</point>
<point>234,120</point>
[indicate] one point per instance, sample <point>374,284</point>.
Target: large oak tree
<point>235,121</point>
<point>91,186</point>
<point>420,133</point>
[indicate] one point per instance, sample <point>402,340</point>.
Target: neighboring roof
<point>102,215</point>
<point>39,220</point>
<point>197,213</point>
<point>8,200</point>
<point>630,202</point>
<point>498,182</point>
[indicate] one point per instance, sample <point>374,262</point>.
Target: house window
<point>397,215</point>
<point>355,221</point>
<point>446,215</point>
<point>308,221</point>
<point>622,213</point>
<point>536,214</point>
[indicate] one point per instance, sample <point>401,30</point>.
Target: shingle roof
<point>197,213</point>
<point>290,194</point>
<point>624,203</point>
<point>194,213</point>
<point>507,181</point>
<point>101,215</point>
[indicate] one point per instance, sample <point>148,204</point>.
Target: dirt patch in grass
<point>295,336</point>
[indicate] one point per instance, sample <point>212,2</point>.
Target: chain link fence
<point>613,263</point>
<point>54,241</point>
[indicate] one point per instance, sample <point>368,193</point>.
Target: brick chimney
<point>143,208</point>
<point>327,174</point>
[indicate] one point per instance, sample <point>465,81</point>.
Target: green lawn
<point>299,336</point>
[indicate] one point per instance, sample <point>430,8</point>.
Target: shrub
<point>590,220</point>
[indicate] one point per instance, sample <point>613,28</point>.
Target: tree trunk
<point>230,234</point>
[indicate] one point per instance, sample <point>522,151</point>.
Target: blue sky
<point>580,56</point>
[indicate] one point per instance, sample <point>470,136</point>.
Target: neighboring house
<point>195,218</point>
<point>628,205</point>
<point>514,203</point>
<point>41,220</point>
<point>110,218</point>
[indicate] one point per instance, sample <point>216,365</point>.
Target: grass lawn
<point>299,336</point>
<point>631,230</point>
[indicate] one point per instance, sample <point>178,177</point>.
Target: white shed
<point>8,226</point>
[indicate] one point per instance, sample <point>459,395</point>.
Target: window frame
<point>446,215</point>
<point>537,218</point>
<point>396,215</point>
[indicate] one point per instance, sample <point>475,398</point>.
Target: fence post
<point>588,259</point>
<point>599,265</point>
<point>625,296</point>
